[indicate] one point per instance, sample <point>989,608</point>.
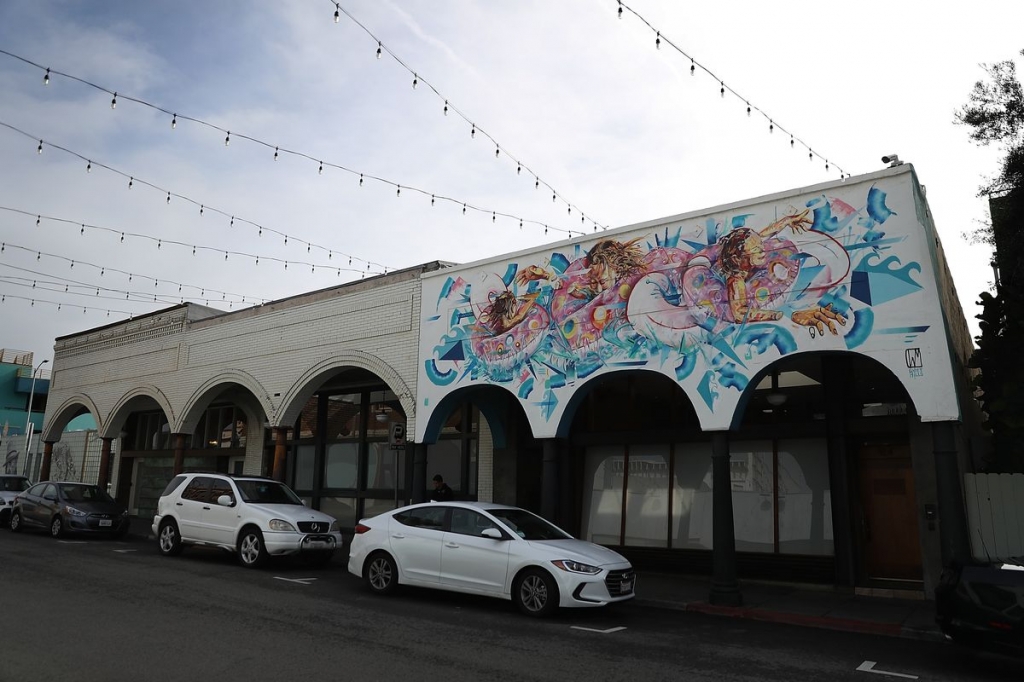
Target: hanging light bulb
<point>771,126</point>
<point>159,243</point>
<point>520,223</point>
<point>446,107</point>
<point>46,77</point>
<point>286,265</point>
<point>431,199</point>
<point>88,167</point>
<point>330,255</point>
<point>472,132</point>
<point>174,121</point>
<point>113,102</point>
<point>257,260</point>
<point>39,149</point>
<point>398,192</point>
<point>360,179</point>
<point>379,47</point>
<point>463,209</point>
<point>232,221</point>
<point>38,218</point>
<point>497,150</point>
<point>810,155</point>
<point>494,216</point>
<point>261,231</point>
<point>350,260</point>
<point>286,240</point>
<point>201,207</point>
<point>227,139</point>
<point>193,250</point>
<point>545,229</point>
<point>553,197</point>
<point>39,255</point>
<point>826,165</point>
<point>168,197</point>
<point>321,171</point>
<point>102,270</point>
<point>748,109</point>
<point>131,181</point>
<point>275,153</point>
<point>657,41</point>
<point>337,12</point>
<point>225,255</point>
<point>791,142</point>
<point>693,67</point>
<point>415,81</point>
<point>536,182</point>
<point>620,9</point>
<point>519,168</point>
<point>122,237</point>
<point>722,90</point>
<point>308,247</point>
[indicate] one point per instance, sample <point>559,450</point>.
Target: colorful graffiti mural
<point>700,301</point>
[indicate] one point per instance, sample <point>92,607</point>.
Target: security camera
<point>892,160</point>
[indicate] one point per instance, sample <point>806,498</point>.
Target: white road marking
<point>122,551</point>
<point>600,632</point>
<point>301,581</point>
<point>869,667</point>
<point>71,542</point>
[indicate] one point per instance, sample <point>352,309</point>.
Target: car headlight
<point>74,512</point>
<point>278,524</point>
<point>576,567</point>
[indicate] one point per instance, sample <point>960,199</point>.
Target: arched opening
<point>634,440</point>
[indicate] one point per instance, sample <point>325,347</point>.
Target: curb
<point>802,620</point>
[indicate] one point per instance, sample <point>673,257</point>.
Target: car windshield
<point>83,493</point>
<point>267,492</point>
<point>528,526</point>
<point>14,484</point>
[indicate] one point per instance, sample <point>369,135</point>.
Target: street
<point>94,609</point>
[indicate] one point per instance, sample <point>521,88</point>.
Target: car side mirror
<point>492,533</point>
<point>225,501</point>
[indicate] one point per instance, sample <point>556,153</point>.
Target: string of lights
<point>773,124</point>
<point>474,128</point>
<point>83,226</point>
<point>77,287</point>
<point>203,207</point>
<point>130,275</point>
<point>278,150</point>
<point>60,306</point>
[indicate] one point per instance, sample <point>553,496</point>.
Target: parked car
<point>488,549</point>
<point>251,516</point>
<point>10,486</point>
<point>981,604</point>
<point>63,507</point>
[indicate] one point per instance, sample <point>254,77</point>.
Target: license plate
<point>316,544</point>
<point>627,586</point>
<point>105,522</point>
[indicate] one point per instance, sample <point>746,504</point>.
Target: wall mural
<point>701,301</point>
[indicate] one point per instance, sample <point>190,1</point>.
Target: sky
<point>573,98</point>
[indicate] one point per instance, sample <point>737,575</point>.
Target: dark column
<point>549,480</point>
<point>952,518</point>
<point>280,453</point>
<point>725,589</point>
<point>419,473</point>
<point>179,452</point>
<point>104,477</point>
<point>565,516</point>
<point>44,473</point>
<point>836,379</point>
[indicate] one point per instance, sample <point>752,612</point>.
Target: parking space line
<point>600,632</point>
<point>301,581</point>
<point>869,667</point>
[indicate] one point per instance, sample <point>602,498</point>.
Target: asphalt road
<point>104,610</point>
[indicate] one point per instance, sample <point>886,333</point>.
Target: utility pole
<point>28,416</point>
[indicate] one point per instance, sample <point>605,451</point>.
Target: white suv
<point>252,516</point>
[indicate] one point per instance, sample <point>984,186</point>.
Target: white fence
<point>995,514</point>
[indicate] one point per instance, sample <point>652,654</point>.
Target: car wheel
<point>169,539</point>
<point>57,527</point>
<point>15,523</point>
<point>535,593</point>
<point>251,551</point>
<point>381,573</point>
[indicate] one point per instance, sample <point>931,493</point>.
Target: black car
<point>62,507</point>
<point>982,604</point>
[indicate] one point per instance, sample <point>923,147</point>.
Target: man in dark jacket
<point>442,493</point>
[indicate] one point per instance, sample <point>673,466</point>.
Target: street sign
<point>396,435</point>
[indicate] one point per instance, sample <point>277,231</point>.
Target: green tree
<point>995,114</point>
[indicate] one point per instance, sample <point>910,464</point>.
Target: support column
<point>549,480</point>
<point>44,472</point>
<point>280,453</point>
<point>565,497</point>
<point>836,379</point>
<point>953,537</point>
<point>725,589</point>
<point>419,473</point>
<point>104,477</point>
<point>179,452</point>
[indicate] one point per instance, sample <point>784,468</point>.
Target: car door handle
<point>178,504</point>
<point>206,508</point>
<point>397,536</point>
<point>451,545</point>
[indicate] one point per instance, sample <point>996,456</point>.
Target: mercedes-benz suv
<point>251,516</point>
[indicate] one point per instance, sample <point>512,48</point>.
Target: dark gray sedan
<point>63,507</point>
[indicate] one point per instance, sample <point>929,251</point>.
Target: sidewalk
<point>793,604</point>
<point>805,605</point>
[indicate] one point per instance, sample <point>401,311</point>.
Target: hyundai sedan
<point>63,507</point>
<point>487,549</point>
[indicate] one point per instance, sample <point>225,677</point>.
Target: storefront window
<point>804,498</point>
<point>647,496</point>
<point>752,475</point>
<point>692,526</point>
<point>344,416</point>
<point>445,457</point>
<point>603,480</point>
<point>304,456</point>
<point>341,465</point>
<point>381,463</point>
<point>341,508</point>
<point>373,507</point>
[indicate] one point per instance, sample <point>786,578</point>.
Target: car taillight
<point>360,529</point>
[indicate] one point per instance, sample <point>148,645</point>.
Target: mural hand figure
<point>799,222</point>
<point>819,318</point>
<point>532,273</point>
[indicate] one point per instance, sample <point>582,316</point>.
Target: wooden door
<point>889,537</point>
<point>124,482</point>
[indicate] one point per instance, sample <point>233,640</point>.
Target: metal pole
<point>28,417</point>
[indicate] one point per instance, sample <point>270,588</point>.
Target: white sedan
<point>488,549</point>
